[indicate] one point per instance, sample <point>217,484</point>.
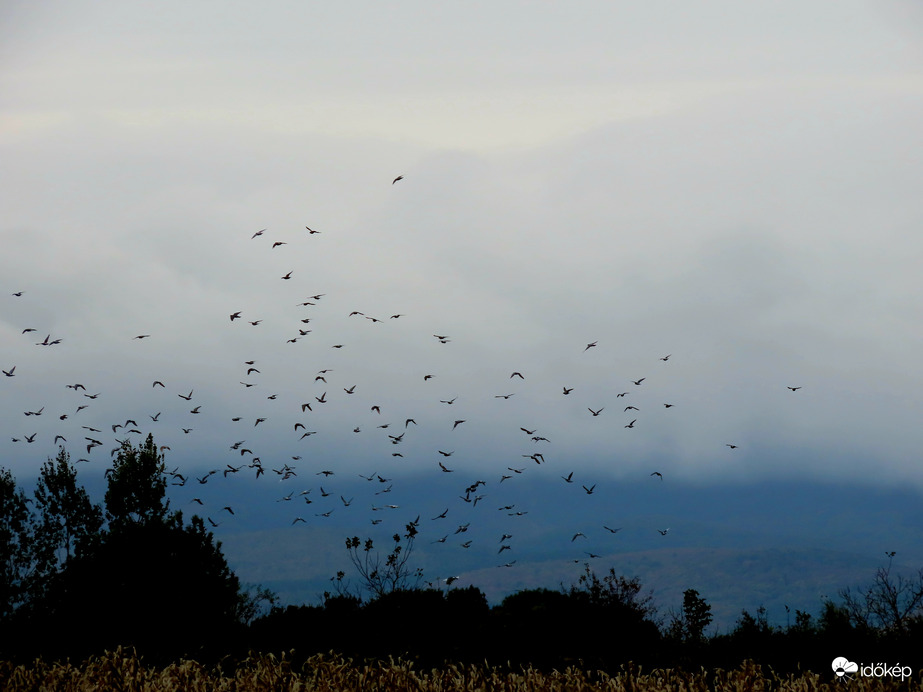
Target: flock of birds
<point>310,503</point>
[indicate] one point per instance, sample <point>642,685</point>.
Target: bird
<point>638,382</point>
<point>311,231</point>
<point>662,532</point>
<point>657,473</point>
<point>400,177</point>
<point>589,491</point>
<point>666,358</point>
<point>517,374</point>
<point>568,391</point>
<point>187,397</point>
<point>794,389</point>
<point>612,530</point>
<point>257,233</point>
<point>632,424</point>
<point>277,244</point>
<point>9,373</point>
<point>595,413</point>
<point>589,346</point>
<point>158,382</point>
<point>569,477</point>
<point>446,454</point>
<point>288,276</point>
<point>502,396</point>
<point>141,336</point>
<point>235,316</point>
<point>450,401</point>
<point>444,469</point>
<point>457,423</point>
<point>731,446</point>
<point>577,535</point>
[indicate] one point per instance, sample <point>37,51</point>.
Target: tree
<point>378,579</point>
<point>137,487</point>
<point>892,604</point>
<point>68,521</point>
<point>615,591</point>
<point>162,586</point>
<point>696,615</point>
<point>16,541</point>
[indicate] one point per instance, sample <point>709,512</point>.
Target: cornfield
<point>123,670</point>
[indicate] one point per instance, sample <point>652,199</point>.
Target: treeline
<point>79,578</point>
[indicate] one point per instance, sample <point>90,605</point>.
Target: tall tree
<point>16,537</point>
<point>68,522</point>
<point>137,488</point>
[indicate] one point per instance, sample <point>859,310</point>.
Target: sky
<point>724,198</point>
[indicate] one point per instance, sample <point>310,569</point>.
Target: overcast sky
<point>734,185</point>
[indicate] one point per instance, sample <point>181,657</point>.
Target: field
<point>121,670</point>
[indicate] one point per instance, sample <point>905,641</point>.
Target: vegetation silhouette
<point>143,577</point>
<point>77,578</point>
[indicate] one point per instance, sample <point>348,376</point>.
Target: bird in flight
<point>9,373</point>
<point>589,491</point>
<point>288,276</point>
<point>568,391</point>
<point>141,336</point>
<point>311,231</point>
<point>632,424</point>
<point>662,532</point>
<point>186,397</point>
<point>731,446</point>
<point>638,382</point>
<point>596,413</point>
<point>794,389</point>
<point>400,177</point>
<point>517,374</point>
<point>589,346</point>
<point>666,358</point>
<point>657,473</point>
<point>257,233</point>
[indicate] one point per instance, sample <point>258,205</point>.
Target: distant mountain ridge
<point>773,544</point>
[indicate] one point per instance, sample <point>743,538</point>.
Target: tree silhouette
<point>890,603</point>
<point>377,579</point>
<point>696,615</point>
<point>137,488</point>
<point>68,522</point>
<point>16,540</point>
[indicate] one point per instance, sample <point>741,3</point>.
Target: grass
<point>123,670</point>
